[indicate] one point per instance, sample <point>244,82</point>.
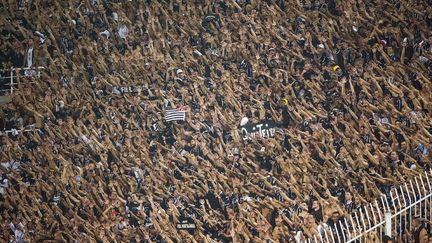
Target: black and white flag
<point>178,114</point>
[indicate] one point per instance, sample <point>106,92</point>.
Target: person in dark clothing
<point>419,232</point>
<point>316,211</point>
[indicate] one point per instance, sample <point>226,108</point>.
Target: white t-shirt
<point>18,231</point>
<point>123,31</point>
<point>30,57</point>
<point>13,165</point>
<point>4,183</point>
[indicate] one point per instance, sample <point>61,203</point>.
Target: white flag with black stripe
<point>175,115</point>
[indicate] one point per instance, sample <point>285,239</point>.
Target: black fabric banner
<point>264,129</point>
<point>186,224</point>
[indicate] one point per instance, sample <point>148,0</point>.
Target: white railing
<point>391,215</point>
<point>29,128</point>
<point>11,77</point>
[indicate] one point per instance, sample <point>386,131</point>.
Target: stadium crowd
<point>347,82</point>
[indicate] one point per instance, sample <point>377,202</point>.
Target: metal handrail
<point>392,216</point>
<point>20,130</point>
<point>406,203</point>
<point>24,68</point>
<point>17,70</point>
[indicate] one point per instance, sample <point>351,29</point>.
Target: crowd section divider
<point>14,75</point>
<point>392,215</point>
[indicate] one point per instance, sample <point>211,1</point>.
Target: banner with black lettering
<point>264,129</point>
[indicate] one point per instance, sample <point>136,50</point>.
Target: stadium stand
<point>213,120</point>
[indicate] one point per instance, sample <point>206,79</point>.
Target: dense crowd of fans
<point>347,82</point>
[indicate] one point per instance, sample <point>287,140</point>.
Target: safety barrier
<point>391,215</point>
<point>10,78</point>
<point>29,128</point>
